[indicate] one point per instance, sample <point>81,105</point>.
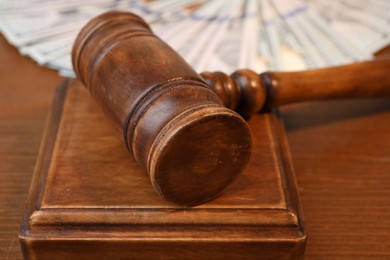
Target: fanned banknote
<point>213,35</point>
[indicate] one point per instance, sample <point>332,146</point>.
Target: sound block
<point>90,200</point>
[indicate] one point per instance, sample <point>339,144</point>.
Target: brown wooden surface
<point>26,91</point>
<point>88,190</point>
<point>341,161</point>
<point>341,154</point>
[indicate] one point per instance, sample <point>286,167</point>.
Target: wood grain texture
<point>176,128</point>
<point>254,92</point>
<point>94,205</point>
<point>26,92</point>
<point>369,79</point>
<point>341,152</point>
<point>331,201</point>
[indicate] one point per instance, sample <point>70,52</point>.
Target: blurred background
<point>213,35</point>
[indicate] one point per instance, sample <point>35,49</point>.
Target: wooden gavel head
<point>175,127</point>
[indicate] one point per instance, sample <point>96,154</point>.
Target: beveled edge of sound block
<point>243,232</point>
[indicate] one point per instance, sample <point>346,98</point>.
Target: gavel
<point>180,126</point>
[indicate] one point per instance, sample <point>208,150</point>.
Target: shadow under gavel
<point>181,130</point>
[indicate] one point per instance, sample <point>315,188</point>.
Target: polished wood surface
<point>81,194</point>
<point>370,79</point>
<point>176,128</point>
<point>341,153</point>
<point>340,159</point>
<point>26,92</point>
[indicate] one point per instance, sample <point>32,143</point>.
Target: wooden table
<point>340,149</point>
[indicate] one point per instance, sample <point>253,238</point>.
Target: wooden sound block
<point>89,198</point>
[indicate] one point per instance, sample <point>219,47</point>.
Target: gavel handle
<point>253,92</point>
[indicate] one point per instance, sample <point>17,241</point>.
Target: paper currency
<point>222,35</point>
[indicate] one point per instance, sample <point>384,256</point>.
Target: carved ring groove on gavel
<point>176,126</point>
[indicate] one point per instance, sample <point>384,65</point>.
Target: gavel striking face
<point>173,123</point>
